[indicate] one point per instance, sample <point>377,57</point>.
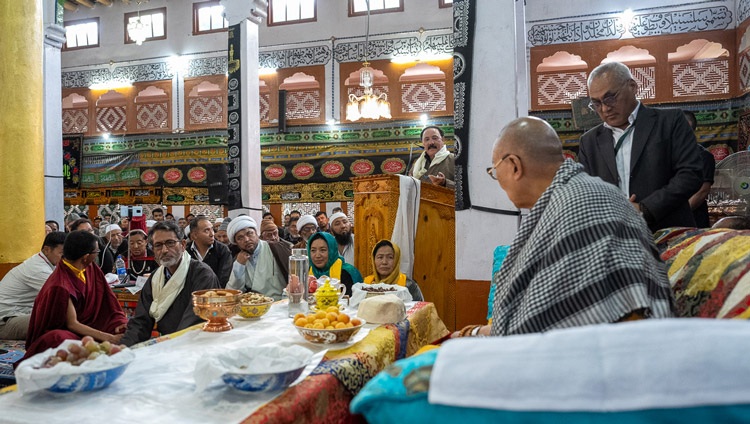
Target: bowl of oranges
<point>329,326</point>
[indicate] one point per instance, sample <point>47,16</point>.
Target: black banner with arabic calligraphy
<point>72,151</point>
<point>463,36</point>
<point>234,110</point>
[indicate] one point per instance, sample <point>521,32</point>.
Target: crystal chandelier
<point>138,30</point>
<point>368,105</point>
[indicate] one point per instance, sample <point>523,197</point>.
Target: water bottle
<point>122,272</point>
<point>297,285</point>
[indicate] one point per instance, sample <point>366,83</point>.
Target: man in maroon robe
<point>75,301</point>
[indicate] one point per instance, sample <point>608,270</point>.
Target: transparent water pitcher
<point>297,285</point>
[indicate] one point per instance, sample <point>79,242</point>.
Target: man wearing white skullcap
<point>260,266</point>
<point>342,231</point>
<point>307,225</point>
<point>113,238</point>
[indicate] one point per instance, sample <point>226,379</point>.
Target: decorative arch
<point>561,78</point>
<point>642,65</point>
<point>699,68</point>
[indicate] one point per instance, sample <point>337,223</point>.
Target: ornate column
<point>243,106</point>
<point>21,131</point>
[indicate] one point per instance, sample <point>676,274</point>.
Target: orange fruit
<point>300,322</point>
<point>332,316</point>
<point>340,325</point>
<point>349,325</point>
<point>298,316</point>
<point>332,309</point>
<point>356,322</point>
<point>330,327</point>
<point>320,314</point>
<point>326,322</point>
<point>344,318</point>
<point>308,326</point>
<point>310,319</point>
<point>318,326</point>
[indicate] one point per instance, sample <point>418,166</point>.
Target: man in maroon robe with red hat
<point>75,301</point>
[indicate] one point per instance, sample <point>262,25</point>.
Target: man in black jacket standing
<point>203,247</point>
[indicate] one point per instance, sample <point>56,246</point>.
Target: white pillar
<point>54,37</point>
<point>499,35</point>
<point>246,13</point>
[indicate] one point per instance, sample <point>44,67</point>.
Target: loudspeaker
<point>218,184</point>
<point>282,111</point>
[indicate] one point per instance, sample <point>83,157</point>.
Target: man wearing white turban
<point>307,225</point>
<point>261,266</point>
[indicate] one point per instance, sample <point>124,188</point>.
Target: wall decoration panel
<point>111,119</point>
<point>646,78</point>
<point>265,106</point>
<point>206,110</point>
<point>120,195</point>
<point>423,97</point>
<point>303,104</point>
<point>377,49</point>
<point>744,70</point>
<point>560,88</point>
<point>700,78</point>
<point>681,21</point>
<point>151,116</point>
<point>743,10</point>
<point>573,32</point>
<point>75,121</point>
<point>104,171</point>
<point>294,58</point>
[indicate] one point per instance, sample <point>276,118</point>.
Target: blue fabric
<point>399,394</point>
<point>497,261</point>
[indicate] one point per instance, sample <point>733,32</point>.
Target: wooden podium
<point>375,206</point>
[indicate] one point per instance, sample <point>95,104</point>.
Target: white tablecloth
<point>159,387</point>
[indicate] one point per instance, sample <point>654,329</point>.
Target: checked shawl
<point>582,256</point>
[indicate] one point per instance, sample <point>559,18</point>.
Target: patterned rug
<point>10,352</point>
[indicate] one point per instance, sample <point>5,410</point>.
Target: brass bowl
<point>338,335</point>
<point>254,311</point>
<point>216,309</point>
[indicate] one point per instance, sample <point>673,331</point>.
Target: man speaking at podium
<point>436,164</point>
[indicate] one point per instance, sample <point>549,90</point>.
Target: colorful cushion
<point>708,271</point>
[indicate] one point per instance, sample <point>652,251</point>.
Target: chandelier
<point>368,105</point>
<point>138,30</point>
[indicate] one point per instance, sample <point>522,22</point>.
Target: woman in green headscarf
<point>323,252</point>
<point>386,263</point>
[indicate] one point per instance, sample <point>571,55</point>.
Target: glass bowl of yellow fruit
<point>329,326</point>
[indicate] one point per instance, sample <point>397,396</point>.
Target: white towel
<point>407,218</point>
<point>666,363</point>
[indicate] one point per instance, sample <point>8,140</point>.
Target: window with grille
<point>208,17</point>
<point>81,34</point>
<point>359,7</point>
<point>282,12</point>
<point>155,21</point>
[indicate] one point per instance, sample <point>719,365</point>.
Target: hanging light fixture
<point>368,105</point>
<point>138,30</point>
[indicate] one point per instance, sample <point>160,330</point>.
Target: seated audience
<point>342,231</point>
<point>386,261</point>
<point>76,300</point>
<point>217,224</point>
<point>322,220</point>
<point>292,233</point>
<point>270,232</point>
<point>53,224</point>
<point>141,261</point>
<point>582,256</point>
<point>113,238</point>
<point>306,226</point>
<point>166,299</point>
<point>221,233</point>
<point>19,287</point>
<point>203,247</point>
<point>47,229</point>
<point>261,266</point>
<point>105,260</point>
<point>325,260</point>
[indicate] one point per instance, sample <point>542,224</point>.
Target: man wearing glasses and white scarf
<point>166,298</point>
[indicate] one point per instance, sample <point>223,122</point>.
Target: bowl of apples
<point>74,366</point>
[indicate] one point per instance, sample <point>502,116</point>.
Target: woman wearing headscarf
<point>386,263</point>
<point>323,252</point>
